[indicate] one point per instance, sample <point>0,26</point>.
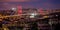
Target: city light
<point>33,15</point>
<point>14,9</point>
<point>29,14</point>
<point>45,16</point>
<point>56,15</point>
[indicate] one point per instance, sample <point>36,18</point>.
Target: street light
<point>33,15</point>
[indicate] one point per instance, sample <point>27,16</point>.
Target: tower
<point>19,10</point>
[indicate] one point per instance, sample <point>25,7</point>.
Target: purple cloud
<point>17,0</point>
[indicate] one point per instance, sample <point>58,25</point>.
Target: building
<point>47,11</point>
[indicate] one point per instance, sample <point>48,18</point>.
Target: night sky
<point>45,4</point>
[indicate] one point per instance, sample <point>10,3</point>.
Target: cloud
<point>17,0</point>
<point>14,0</point>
